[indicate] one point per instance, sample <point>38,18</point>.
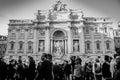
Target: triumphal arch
<point>61,32</point>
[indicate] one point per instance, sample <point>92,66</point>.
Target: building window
<point>116,33</point>
<point>12,45</point>
<point>87,45</point>
<point>30,46</point>
<point>20,45</point>
<point>98,46</point>
<point>87,30</point>
<point>108,46</point>
<point>118,40</point>
<point>75,45</point>
<point>105,29</point>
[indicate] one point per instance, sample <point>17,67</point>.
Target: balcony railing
<point>20,51</point>
<point>11,51</point>
<point>29,51</point>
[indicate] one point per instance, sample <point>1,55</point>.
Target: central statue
<point>59,6</point>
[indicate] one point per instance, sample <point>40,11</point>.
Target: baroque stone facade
<point>3,45</point>
<point>117,38</point>
<point>61,32</point>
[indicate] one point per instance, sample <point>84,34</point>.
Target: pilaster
<point>82,43</point>
<point>69,41</point>
<point>47,41</point>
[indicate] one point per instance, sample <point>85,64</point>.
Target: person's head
<point>49,57</point>
<point>30,58</point>
<point>90,64</point>
<point>44,56</point>
<point>110,59</point>
<point>99,57</point>
<point>106,58</point>
<point>118,59</point>
<point>79,60</point>
<point>97,60</point>
<point>20,57</point>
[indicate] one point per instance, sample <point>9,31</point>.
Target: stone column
<point>16,45</point>
<point>25,45</point>
<point>35,44</point>
<point>103,44</point>
<point>82,41</point>
<point>69,42</point>
<point>51,42</point>
<point>47,41</point>
<point>93,43</point>
<point>65,46</point>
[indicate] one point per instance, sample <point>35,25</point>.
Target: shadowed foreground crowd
<point>68,70</point>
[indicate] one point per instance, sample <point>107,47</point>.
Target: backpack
<point>98,68</point>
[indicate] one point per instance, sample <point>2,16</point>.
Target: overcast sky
<point>26,9</point>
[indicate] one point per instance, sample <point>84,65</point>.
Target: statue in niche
<point>58,48</point>
<point>41,45</point>
<point>76,46</point>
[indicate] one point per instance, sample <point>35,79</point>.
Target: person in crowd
<point>116,75</point>
<point>97,69</point>
<point>3,69</point>
<point>41,68</point>
<point>72,64</point>
<point>113,65</point>
<point>78,70</point>
<point>12,68</point>
<point>47,67</point>
<point>56,70</point>
<point>67,70</point>
<point>106,68</point>
<point>26,70</point>
<point>61,72</point>
<point>20,69</point>
<point>89,71</point>
<point>31,68</point>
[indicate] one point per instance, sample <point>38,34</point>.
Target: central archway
<point>58,34</point>
<point>58,43</point>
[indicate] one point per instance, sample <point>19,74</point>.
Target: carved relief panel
<point>75,32</point>
<point>30,34</point>
<point>41,32</point>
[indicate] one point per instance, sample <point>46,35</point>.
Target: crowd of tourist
<point>109,69</point>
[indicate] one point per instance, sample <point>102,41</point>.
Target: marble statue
<point>59,6</point>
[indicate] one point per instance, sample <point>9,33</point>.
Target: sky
<point>26,9</point>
